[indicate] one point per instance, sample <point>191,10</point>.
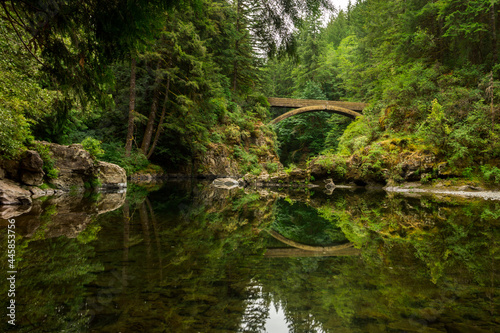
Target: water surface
<point>190,258</point>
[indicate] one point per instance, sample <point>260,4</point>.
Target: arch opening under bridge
<point>348,109</point>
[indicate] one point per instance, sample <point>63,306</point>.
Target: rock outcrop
<point>31,168</point>
<point>233,157</point>
<point>111,176</point>
<point>76,168</point>
<point>75,165</point>
<point>12,194</point>
<point>218,162</point>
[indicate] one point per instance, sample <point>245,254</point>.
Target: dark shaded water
<point>190,258</point>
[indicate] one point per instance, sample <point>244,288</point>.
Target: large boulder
<point>76,166</point>
<point>31,168</point>
<point>10,169</point>
<point>111,176</point>
<point>32,178</point>
<point>12,194</point>
<point>72,159</point>
<point>31,161</point>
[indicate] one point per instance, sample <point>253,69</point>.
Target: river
<point>186,257</point>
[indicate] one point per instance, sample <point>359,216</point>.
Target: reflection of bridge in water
<point>303,250</point>
<point>348,109</point>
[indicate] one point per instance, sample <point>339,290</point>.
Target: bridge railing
<point>300,103</point>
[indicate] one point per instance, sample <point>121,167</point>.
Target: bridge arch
<point>315,108</point>
<point>322,249</point>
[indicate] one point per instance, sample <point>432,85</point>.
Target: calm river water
<point>186,257</point>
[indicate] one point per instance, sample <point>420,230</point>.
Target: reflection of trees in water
<point>302,223</point>
<point>177,263</point>
<point>427,264</point>
<point>50,284</point>
<point>257,306</point>
<point>184,262</point>
<point>440,253</point>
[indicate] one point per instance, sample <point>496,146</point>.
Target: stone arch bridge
<point>302,250</point>
<point>348,109</point>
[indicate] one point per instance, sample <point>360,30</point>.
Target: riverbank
<point>441,189</point>
<point>52,169</point>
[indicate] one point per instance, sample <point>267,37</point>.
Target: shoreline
<point>409,188</point>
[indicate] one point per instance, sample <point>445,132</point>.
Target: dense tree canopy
<point>175,80</point>
<point>429,70</point>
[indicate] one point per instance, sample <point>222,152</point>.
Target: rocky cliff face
<point>243,152</point>
<point>76,169</point>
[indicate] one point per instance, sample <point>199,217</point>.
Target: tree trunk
<point>162,117</point>
<point>236,46</point>
<point>494,32</point>
<point>144,218</point>
<point>148,133</point>
<point>126,241</point>
<point>130,131</point>
<point>491,90</point>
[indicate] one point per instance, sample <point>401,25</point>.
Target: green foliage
<point>271,167</point>
<point>22,99</point>
<point>426,179</point>
<point>47,158</point>
<point>248,161</point>
<point>92,183</point>
<point>429,68</point>
<point>467,173</point>
<point>491,173</point>
<point>93,146</point>
<point>115,153</point>
<point>356,136</point>
<point>334,164</point>
<point>303,224</point>
<point>290,168</point>
<point>435,128</point>
<point>15,133</point>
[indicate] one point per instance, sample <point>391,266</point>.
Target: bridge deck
<point>291,252</point>
<point>300,103</point>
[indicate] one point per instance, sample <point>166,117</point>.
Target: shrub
<point>435,128</point>
<point>356,136</point>
<point>93,146</point>
<point>14,133</point>
<point>491,173</point>
<point>115,153</point>
<point>271,167</point>
<point>48,162</point>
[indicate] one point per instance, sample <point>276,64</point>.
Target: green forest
<point>154,86</point>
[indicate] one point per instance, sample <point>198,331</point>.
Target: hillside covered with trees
<point>429,71</point>
<point>167,83</point>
